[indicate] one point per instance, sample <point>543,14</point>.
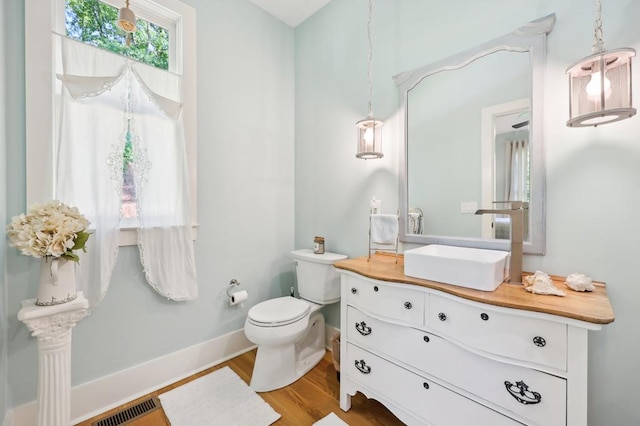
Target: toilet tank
<point>318,280</point>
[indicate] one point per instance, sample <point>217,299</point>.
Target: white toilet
<point>290,332</point>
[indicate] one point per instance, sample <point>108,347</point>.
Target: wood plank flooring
<point>302,403</point>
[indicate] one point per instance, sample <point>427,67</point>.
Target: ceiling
<point>511,122</point>
<point>291,12</point>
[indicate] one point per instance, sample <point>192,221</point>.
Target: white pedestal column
<point>52,326</point>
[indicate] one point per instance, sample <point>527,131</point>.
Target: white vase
<point>57,281</point>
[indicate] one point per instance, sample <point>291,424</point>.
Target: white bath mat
<point>330,420</point>
<point>219,398</point>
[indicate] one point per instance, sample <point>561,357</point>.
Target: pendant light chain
<point>598,43</point>
<point>369,129</point>
<point>370,59</point>
<point>129,34</point>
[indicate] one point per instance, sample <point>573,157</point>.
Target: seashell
<point>541,283</point>
<point>579,282</point>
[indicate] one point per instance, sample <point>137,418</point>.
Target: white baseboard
<point>97,396</point>
<point>8,419</point>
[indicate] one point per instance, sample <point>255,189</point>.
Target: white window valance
<point>100,70</point>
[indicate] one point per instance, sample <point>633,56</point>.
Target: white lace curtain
<point>104,97</point>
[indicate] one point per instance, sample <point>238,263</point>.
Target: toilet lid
<point>280,310</point>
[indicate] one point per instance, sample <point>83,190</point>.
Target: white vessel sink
<point>479,269</point>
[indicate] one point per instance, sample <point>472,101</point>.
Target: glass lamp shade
<point>600,88</point>
<point>127,20</point>
<point>369,139</point>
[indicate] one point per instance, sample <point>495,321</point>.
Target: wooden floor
<point>302,403</point>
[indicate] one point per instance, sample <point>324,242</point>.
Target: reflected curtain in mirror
<point>512,180</point>
<point>516,170</point>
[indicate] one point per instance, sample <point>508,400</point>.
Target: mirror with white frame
<point>472,127</point>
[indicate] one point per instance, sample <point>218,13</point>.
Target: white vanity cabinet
<point>437,358</point>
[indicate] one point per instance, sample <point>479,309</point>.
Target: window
<point>166,40</point>
<point>94,22</point>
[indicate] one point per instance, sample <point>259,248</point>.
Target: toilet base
<point>281,365</point>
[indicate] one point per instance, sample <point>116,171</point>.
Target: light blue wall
<point>245,202</point>
<point>3,197</point>
<point>592,173</point>
<point>13,176</point>
<point>333,188</point>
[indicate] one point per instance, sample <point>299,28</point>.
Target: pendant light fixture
<point>369,129</point>
<point>600,84</point>
<point>127,21</point>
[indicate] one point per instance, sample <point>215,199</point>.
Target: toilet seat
<point>278,312</point>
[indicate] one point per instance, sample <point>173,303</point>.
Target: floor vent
<point>128,414</point>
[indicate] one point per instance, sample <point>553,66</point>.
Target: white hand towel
<point>384,228</point>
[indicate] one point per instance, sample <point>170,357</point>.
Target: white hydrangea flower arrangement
<point>52,229</point>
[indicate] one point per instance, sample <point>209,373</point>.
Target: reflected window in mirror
<point>506,165</point>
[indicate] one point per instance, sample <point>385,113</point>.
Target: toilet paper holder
<point>236,297</point>
<point>232,284</point>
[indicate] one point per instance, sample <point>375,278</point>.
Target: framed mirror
<point>472,126</point>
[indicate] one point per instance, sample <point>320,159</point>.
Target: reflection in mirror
<point>415,220</point>
<point>444,133</point>
<point>472,127</point>
<point>506,168</point>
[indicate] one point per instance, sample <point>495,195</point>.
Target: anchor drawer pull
<point>520,391</point>
<point>363,328</point>
<point>362,366</point>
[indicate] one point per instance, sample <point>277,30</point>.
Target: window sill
<point>129,235</point>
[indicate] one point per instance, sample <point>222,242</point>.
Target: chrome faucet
<point>516,211</point>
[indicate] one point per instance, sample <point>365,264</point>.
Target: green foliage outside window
<point>94,23</point>
<point>127,155</point>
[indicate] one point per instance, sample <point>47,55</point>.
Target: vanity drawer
<point>378,335</point>
<point>483,377</point>
<point>393,301</point>
<point>523,338</point>
<point>489,379</point>
<point>424,398</point>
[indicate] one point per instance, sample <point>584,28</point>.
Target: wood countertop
<point>593,307</point>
